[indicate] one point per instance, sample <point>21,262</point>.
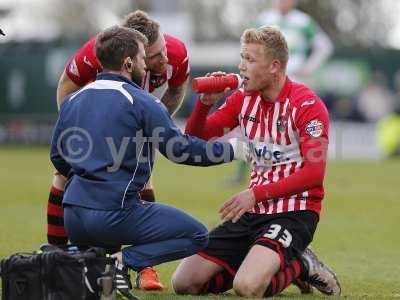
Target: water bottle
<point>216,84</point>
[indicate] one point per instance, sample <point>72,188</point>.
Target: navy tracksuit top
<point>105,138</point>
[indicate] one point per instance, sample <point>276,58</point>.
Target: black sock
<point>284,278</point>
<point>220,283</point>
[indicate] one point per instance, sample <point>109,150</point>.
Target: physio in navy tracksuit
<point>104,142</point>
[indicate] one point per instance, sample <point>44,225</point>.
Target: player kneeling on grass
<point>104,142</point>
<point>260,248</point>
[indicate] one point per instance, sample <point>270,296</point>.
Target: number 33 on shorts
<point>274,231</point>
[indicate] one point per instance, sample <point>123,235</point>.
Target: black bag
<point>58,274</point>
<point>21,277</point>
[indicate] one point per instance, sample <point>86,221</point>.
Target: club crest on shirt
<point>315,128</point>
<point>281,124</point>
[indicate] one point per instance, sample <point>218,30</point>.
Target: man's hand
<point>241,149</point>
<point>235,207</point>
<point>212,98</point>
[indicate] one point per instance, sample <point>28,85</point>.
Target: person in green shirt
<point>309,46</point>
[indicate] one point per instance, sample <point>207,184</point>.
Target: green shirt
<point>299,29</point>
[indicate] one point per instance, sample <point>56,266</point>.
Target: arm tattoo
<point>173,97</point>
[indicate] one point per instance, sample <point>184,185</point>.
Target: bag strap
<point>105,260</point>
<point>84,275</point>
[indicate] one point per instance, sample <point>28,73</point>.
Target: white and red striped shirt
<point>287,140</point>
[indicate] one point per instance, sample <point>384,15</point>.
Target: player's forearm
<point>173,98</point>
<point>196,152</point>
<point>197,121</point>
<point>65,87</point>
<point>207,127</point>
<point>185,149</point>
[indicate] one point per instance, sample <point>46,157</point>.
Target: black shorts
<point>288,234</point>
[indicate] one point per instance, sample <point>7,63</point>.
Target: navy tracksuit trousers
<point>152,232</point>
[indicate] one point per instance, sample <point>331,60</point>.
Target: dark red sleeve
<point>219,123</point>
<point>180,73</point>
<point>178,58</point>
<point>84,66</point>
<point>312,122</point>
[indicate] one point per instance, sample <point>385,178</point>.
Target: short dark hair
<point>116,43</point>
<point>141,21</point>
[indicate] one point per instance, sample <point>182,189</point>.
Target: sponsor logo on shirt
<point>315,128</point>
<point>308,102</point>
<point>250,118</point>
<point>266,157</point>
<point>86,61</point>
<point>73,69</point>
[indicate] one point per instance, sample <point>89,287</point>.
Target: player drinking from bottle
<point>259,249</point>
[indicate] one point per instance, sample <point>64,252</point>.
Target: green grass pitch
<point>358,235</point>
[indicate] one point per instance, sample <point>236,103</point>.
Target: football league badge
<point>315,128</point>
